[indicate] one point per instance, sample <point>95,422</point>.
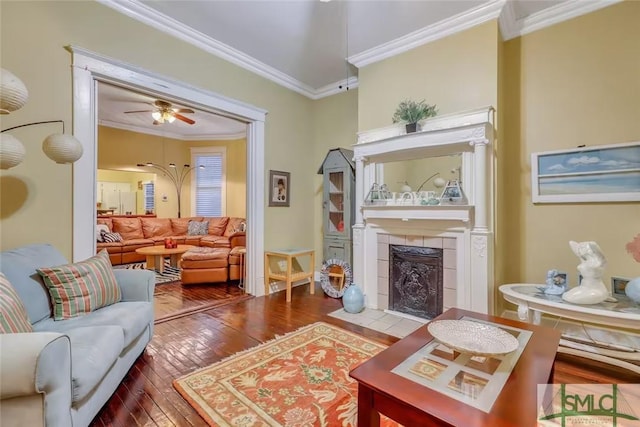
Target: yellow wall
<point>455,73</point>
<point>38,185</point>
<point>123,150</point>
<point>574,83</point>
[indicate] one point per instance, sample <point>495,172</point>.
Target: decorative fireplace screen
<point>415,280</point>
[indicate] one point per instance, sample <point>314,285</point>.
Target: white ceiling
<point>303,44</point>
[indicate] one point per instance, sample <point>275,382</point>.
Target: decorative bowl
<point>478,339</point>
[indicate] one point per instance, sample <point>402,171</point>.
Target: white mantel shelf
<point>462,213</point>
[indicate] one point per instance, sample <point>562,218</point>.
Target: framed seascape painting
<point>606,173</point>
<point>279,183</point>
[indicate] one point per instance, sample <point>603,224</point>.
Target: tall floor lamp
<point>177,177</point>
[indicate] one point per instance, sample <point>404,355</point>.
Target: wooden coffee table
<point>381,391</point>
<point>156,254</point>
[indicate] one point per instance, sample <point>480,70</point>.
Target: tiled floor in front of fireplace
<point>380,321</point>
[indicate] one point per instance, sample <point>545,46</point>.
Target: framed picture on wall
<point>279,188</point>
<point>606,173</point>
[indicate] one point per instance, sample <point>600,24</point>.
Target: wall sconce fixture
<point>176,177</point>
<point>60,148</point>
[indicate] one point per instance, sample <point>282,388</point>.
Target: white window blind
<point>209,183</point>
<point>149,193</point>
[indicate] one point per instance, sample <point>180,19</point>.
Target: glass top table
<point>418,381</point>
<point>607,332</point>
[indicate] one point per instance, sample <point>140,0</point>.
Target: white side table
<point>603,332</point>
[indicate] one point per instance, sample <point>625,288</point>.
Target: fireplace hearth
<point>416,280</point>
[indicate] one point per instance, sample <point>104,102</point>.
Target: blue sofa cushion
<point>133,317</point>
<point>94,350</point>
<point>19,265</point>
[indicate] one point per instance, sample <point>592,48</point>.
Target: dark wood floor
<point>146,396</point>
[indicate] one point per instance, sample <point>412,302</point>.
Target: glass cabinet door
<point>335,203</point>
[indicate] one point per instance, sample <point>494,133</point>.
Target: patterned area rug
<point>170,274</point>
<point>299,379</point>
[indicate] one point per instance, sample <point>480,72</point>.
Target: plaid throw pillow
<point>198,228</point>
<point>13,315</point>
<point>111,237</point>
<point>82,287</point>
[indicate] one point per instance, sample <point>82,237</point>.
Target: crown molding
<point>149,16</point>
<point>462,21</point>
<point>337,87</point>
<point>161,131</point>
<point>548,17</point>
<point>508,22</point>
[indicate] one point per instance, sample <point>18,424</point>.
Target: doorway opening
<point>89,69</point>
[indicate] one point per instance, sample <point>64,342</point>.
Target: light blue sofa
<point>65,371</point>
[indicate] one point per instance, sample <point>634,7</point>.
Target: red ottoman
<point>205,265</point>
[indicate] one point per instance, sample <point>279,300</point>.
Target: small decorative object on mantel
<point>411,112</point>
<point>453,194</point>
<point>591,289</point>
<point>633,290</point>
<point>556,283</point>
<point>378,195</point>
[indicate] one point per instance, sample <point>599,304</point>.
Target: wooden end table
<point>291,270</point>
<point>381,391</point>
<point>156,254</point>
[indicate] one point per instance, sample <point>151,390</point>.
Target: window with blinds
<point>149,194</point>
<point>208,185</point>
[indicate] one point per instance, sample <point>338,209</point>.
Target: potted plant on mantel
<point>411,112</point>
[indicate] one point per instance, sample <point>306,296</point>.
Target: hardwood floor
<point>146,396</point>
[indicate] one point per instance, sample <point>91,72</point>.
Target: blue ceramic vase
<point>353,299</point>
<point>633,290</point>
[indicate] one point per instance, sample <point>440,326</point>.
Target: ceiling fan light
<point>156,115</point>
<point>62,148</point>
<point>171,118</point>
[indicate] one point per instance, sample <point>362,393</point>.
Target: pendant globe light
<point>13,93</point>
<point>62,148</point>
<point>11,151</point>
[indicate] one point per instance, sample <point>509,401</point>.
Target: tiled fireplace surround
<point>449,279</point>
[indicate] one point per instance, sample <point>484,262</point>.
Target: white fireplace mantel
<point>469,226</point>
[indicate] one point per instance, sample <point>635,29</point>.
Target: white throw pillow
<point>101,228</point>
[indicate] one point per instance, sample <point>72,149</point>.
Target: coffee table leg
<point>174,260</point>
<point>150,262</point>
<point>367,416</point>
<point>159,263</point>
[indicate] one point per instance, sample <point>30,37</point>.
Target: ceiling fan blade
<point>139,111</point>
<point>183,118</point>
<point>155,122</point>
<point>183,110</point>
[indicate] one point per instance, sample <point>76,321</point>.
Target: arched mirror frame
<point>328,277</point>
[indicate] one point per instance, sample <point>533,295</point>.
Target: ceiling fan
<point>164,113</point>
